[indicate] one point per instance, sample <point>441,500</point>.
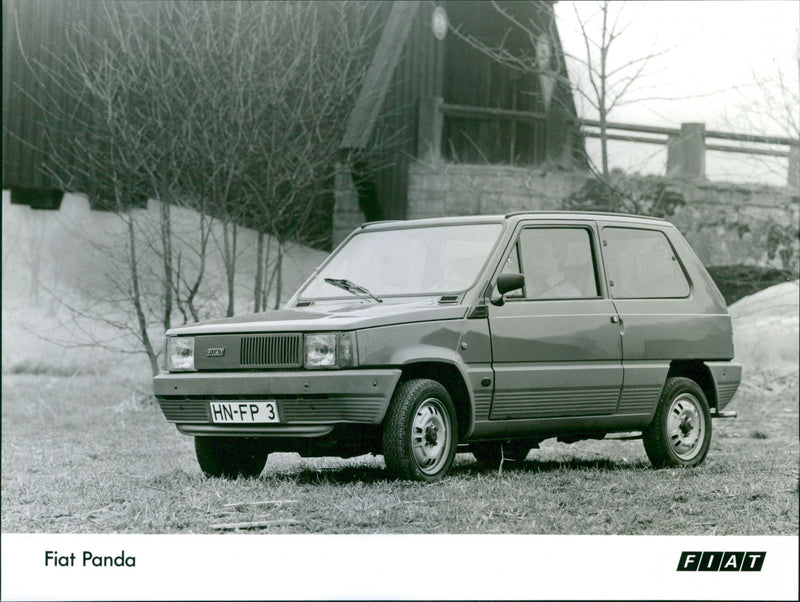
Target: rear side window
<point>641,264</point>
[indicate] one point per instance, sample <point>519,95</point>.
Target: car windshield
<point>408,261</point>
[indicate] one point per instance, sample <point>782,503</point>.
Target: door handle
<point>614,320</point>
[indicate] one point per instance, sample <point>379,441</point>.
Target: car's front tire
<point>680,433</point>
<point>420,432</point>
<point>230,457</point>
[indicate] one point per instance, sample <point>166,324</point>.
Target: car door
<point>556,347</point>
<point>661,320</point>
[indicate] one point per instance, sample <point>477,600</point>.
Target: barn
<point>434,87</point>
<point>433,97</point>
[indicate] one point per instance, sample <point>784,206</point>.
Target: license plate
<point>246,412</point>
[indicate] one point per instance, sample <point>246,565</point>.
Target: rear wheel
<point>230,457</point>
<point>680,433</point>
<point>420,432</point>
<point>490,454</point>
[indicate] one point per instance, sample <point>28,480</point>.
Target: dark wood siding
<point>461,75</point>
<point>472,78</point>
<point>417,74</point>
<point>34,35</point>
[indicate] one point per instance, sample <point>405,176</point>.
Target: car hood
<point>348,315</point>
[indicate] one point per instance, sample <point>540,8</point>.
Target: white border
<point>248,567</point>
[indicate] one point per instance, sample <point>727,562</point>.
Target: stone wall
<point>454,189</point>
<point>736,224</point>
<point>726,224</point>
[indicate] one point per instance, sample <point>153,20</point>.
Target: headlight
<point>330,350</point>
<point>180,354</point>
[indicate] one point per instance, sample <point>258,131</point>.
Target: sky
<point>713,53</point>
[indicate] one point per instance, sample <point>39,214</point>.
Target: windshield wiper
<point>351,287</point>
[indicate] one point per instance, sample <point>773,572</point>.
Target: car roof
<point>517,216</point>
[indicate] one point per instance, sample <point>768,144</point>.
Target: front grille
<point>184,410</point>
<point>272,351</point>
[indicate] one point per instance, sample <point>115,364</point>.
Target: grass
<point>87,454</point>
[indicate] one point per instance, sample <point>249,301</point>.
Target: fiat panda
<point>487,334</point>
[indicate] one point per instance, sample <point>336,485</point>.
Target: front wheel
<point>420,432</point>
<point>230,457</point>
<point>680,433</point>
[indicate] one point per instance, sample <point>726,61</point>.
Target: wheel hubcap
<point>686,426</point>
<point>430,432</point>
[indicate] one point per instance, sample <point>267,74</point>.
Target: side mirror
<point>507,283</point>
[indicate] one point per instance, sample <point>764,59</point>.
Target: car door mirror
<point>507,283</point>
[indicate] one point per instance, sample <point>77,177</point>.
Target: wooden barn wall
<point>42,27</point>
<point>472,78</point>
<point>416,75</point>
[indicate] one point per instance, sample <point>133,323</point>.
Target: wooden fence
<point>686,145</point>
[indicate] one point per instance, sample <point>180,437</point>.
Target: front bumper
<point>309,402</point>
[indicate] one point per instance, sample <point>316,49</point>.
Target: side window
<point>641,264</point>
<point>558,263</point>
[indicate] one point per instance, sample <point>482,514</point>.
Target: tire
<point>230,457</point>
<point>489,454</point>
<point>420,432</point>
<point>680,433</point>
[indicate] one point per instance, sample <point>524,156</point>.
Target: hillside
<point>57,262</point>
<point>766,329</point>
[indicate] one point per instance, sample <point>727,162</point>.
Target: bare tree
<point>318,57</point>
<point>111,156</point>
<point>234,110</point>
<point>605,79</point>
<point>770,102</point>
<point>611,81</point>
<point>271,85</point>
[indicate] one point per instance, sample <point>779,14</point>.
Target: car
<point>419,339</point>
